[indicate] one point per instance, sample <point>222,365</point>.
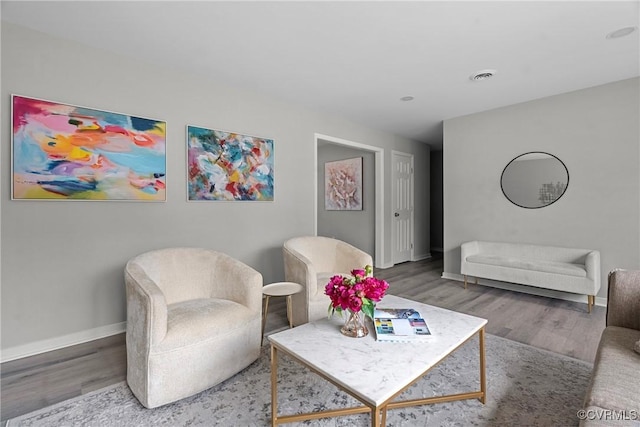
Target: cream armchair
<point>311,261</point>
<point>613,388</point>
<point>193,320</point>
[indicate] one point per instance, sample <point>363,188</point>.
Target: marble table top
<point>374,370</point>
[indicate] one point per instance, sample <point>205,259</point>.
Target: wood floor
<point>556,325</point>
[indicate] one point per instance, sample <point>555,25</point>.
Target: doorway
<point>378,180</point>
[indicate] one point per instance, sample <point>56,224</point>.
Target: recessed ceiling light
<point>482,75</point>
<point>621,32</point>
<point>406,98</point>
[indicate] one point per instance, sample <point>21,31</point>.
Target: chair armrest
<point>299,269</point>
<point>592,265</point>
<point>146,307</point>
<point>233,280</point>
<point>623,302</point>
<point>468,249</point>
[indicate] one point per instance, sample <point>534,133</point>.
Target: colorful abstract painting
<point>343,185</point>
<point>61,151</point>
<point>229,166</point>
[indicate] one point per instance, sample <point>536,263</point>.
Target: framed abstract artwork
<point>343,185</point>
<point>66,152</point>
<point>228,166</point>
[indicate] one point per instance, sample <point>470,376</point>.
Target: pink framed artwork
<point>343,185</point>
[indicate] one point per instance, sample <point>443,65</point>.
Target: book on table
<point>400,324</point>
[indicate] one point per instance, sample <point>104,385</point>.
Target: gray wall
<point>62,262</point>
<point>354,227</point>
<point>595,132</point>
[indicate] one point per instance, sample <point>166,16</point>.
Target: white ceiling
<point>356,59</point>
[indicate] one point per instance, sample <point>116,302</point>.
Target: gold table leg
<point>384,417</point>
<point>483,373</point>
<point>375,417</point>
<point>274,386</point>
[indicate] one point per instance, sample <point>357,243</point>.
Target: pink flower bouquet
<point>359,292</point>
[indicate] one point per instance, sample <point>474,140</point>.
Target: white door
<point>402,196</point>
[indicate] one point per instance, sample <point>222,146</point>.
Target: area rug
<point>525,386</point>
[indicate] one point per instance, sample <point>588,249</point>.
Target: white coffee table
<point>391,366</point>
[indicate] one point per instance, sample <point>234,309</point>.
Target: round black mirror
<point>534,180</point>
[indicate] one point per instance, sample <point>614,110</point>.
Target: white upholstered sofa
<point>557,268</point>
<point>193,320</point>
<point>311,261</point>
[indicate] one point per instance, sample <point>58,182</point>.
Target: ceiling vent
<point>482,75</point>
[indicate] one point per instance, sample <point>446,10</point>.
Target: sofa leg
<point>591,299</point>
<point>475,281</point>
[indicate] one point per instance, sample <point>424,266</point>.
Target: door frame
<point>378,260</point>
<point>393,194</point>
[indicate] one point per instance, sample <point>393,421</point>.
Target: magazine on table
<point>400,324</point>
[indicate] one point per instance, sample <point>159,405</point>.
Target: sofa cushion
<point>616,373</point>
<point>530,264</point>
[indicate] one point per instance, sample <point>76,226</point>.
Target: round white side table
<point>279,289</point>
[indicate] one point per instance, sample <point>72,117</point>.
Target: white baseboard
<point>385,265</point>
<point>37,347</point>
<point>526,289</point>
<point>421,257</point>
<point>415,258</point>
